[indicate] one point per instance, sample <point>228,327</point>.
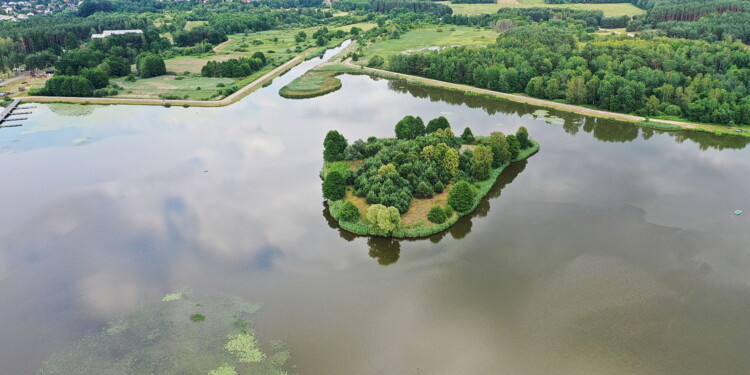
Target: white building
<point>115,32</point>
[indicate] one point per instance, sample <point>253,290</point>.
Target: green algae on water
<point>162,338</point>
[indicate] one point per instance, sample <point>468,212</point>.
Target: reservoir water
<point>614,250</point>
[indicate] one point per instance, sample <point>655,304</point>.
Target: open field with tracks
<point>610,10</point>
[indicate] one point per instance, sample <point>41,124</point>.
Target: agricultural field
<point>435,37</point>
<point>610,10</point>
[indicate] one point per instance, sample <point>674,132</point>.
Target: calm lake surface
<point>614,250</point>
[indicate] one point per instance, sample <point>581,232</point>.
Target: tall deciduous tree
<point>437,124</point>
<point>334,146</point>
<point>481,163</point>
<point>513,146</point>
<point>410,127</point>
<point>522,135</point>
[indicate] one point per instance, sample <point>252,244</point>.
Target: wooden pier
<point>5,116</point>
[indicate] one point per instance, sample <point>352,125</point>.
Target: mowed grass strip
<point>610,10</point>
<point>185,88</point>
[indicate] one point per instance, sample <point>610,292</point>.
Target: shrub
<point>462,196</point>
<point>334,186</point>
<point>375,61</point>
<point>130,78</point>
<point>673,110</point>
<point>448,211</point>
<point>349,212</point>
<point>439,187</point>
<point>424,190</point>
<point>436,215</point>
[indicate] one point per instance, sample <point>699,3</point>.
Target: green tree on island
<point>513,146</point>
<point>467,136</point>
<point>334,146</point>
<point>523,138</point>
<point>504,156</point>
<point>410,127</point>
<point>437,124</point>
<point>436,215</point>
<point>462,196</point>
<point>385,219</point>
<point>349,212</point>
<point>334,186</point>
<point>481,163</point>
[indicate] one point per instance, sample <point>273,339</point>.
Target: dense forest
<point>649,76</point>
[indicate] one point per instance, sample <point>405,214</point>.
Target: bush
<point>436,215</point>
<point>375,61</point>
<point>439,187</point>
<point>130,78</point>
<point>348,212</point>
<point>334,186</point>
<point>448,211</point>
<point>462,196</point>
<point>672,110</point>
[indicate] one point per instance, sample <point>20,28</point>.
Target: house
<point>115,32</point>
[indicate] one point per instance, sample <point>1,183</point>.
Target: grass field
<point>186,88</point>
<point>610,10</point>
<point>416,40</point>
<point>191,24</point>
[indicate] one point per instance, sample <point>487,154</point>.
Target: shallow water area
<point>613,250</point>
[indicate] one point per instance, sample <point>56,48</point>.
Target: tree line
<point>652,77</point>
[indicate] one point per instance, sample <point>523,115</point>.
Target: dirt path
<point>236,96</point>
<point>540,102</point>
<point>14,79</point>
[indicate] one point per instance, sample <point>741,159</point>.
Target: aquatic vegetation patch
<point>71,109</point>
<point>197,317</point>
<point>224,369</point>
<point>172,297</point>
<point>163,338</point>
<point>245,347</point>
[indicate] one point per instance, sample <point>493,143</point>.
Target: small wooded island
<point>417,184</point>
